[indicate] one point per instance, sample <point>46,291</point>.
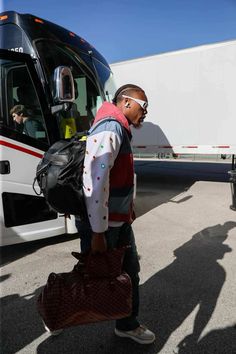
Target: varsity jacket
<point>108,175</point>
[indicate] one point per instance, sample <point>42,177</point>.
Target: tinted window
<point>13,38</point>
<point>24,113</point>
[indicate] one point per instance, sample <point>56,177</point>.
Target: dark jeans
<point>116,237</point>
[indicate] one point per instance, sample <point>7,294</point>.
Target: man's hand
<point>99,243</point>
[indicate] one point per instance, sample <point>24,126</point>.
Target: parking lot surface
<point>186,238</point>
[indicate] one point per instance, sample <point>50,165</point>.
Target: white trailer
<point>192,99</point>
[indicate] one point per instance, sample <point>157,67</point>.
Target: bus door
<point>24,216</point>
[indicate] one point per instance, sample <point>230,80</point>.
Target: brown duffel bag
<point>95,290</point>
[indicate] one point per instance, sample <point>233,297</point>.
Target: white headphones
<point>127,105</point>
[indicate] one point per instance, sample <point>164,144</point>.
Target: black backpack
<point>60,174</point>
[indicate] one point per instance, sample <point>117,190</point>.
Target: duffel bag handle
<point>107,264</point>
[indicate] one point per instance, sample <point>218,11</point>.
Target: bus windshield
<point>88,97</point>
<point>52,46</point>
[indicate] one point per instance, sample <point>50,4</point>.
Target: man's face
<point>134,111</point>
<point>18,118</point>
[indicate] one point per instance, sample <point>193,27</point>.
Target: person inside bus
<point>29,125</point>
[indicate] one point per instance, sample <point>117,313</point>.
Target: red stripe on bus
<point>221,147</point>
<point>20,148</point>
<point>190,147</point>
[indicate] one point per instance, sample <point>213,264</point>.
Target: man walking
<point>108,188</point>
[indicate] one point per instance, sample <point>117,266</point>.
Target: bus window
<point>106,79</point>
<point>87,97</point>
<point>24,111</point>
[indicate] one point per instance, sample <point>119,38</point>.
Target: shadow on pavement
<point>184,170</point>
<point>11,253</point>
<point>158,181</point>
<point>219,341</point>
<point>20,322</point>
<point>154,190</point>
<point>193,280</point>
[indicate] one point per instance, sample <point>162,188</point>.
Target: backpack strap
<point>94,127</point>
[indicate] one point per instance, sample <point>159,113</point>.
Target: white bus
<point>32,52</point>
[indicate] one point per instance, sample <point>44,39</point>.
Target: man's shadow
<point>218,341</point>
<point>21,323</point>
<point>193,280</point>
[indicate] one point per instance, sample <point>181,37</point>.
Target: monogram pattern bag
<point>95,290</point>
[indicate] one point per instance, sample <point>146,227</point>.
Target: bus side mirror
<point>64,85</point>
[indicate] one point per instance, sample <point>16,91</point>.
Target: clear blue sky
<point>126,29</point>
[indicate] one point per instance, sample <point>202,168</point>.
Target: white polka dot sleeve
<point>101,152</point>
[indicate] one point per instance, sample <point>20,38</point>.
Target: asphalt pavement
<point>186,238</point>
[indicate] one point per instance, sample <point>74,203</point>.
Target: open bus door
<point>23,215</point>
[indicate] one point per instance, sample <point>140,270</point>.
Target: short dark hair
<point>19,109</point>
<point>125,89</point>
